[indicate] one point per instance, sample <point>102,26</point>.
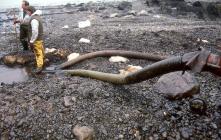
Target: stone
<point>129,69</point>
<point>4,136</point>
<point>198,106</point>
<point>142,13</point>
<point>25,57</point>
<point>114,15</point>
<point>9,60</point>
<point>152,2</point>
<point>125,5</point>
<point>132,12</point>
<point>72,56</point>
<point>115,59</point>
<point>103,130</point>
<point>214,126</point>
<point>68,101</point>
<point>186,132</point>
<point>83,133</point>
<point>121,136</point>
<point>84,24</point>
<point>177,86</point>
<point>84,40</point>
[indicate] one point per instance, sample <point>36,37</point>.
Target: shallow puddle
<point>10,75</point>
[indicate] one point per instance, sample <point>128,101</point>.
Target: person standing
<point>24,21</point>
<point>36,36</point>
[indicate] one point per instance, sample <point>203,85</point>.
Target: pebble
<point>164,134</point>
<point>214,125</point>
<point>185,133</point>
<point>103,130</point>
<point>121,136</point>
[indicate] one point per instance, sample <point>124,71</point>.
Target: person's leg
<point>39,55</point>
<point>24,36</point>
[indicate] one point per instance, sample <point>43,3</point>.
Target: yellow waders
<point>39,53</point>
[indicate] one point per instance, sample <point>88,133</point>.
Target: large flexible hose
<point>150,71</point>
<point>108,53</point>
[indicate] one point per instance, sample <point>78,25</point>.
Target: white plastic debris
<point>205,41</point>
<point>129,69</point>
<point>202,40</point>
<point>39,12</point>
<point>118,59</point>
<point>114,15</point>
<point>84,40</point>
<point>65,27</point>
<point>84,24</point>
<point>142,13</point>
<point>157,16</point>
<point>72,56</point>
<point>50,50</point>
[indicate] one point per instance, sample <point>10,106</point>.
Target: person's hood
<point>37,12</point>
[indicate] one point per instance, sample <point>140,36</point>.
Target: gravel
<point>35,109</point>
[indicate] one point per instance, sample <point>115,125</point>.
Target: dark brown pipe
<point>154,70</point>
<point>108,53</point>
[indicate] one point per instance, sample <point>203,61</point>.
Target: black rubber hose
<point>148,72</point>
<point>108,53</point>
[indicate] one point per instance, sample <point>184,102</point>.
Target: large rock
<point>177,86</point>
<point>83,133</point>
<point>25,57</point>
<point>125,5</point>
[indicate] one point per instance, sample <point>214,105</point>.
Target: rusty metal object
<point>214,64</point>
<point>196,61</point>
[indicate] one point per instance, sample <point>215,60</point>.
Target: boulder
<point>25,57</point>
<point>125,5</point>
<point>152,2</point>
<point>177,86</point>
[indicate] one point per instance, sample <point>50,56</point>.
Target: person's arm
<point>19,18</point>
<point>34,29</point>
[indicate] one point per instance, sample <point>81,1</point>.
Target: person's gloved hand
<point>31,45</point>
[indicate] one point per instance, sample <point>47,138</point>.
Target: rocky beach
<point>54,106</point>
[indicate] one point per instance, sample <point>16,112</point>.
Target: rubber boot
<point>25,45</point>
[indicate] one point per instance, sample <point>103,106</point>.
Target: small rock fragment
<point>142,13</point>
<point>83,133</point>
<point>84,24</point>
<point>118,59</point>
<point>84,40</point>
<point>68,101</point>
<point>198,106</point>
<point>72,56</point>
